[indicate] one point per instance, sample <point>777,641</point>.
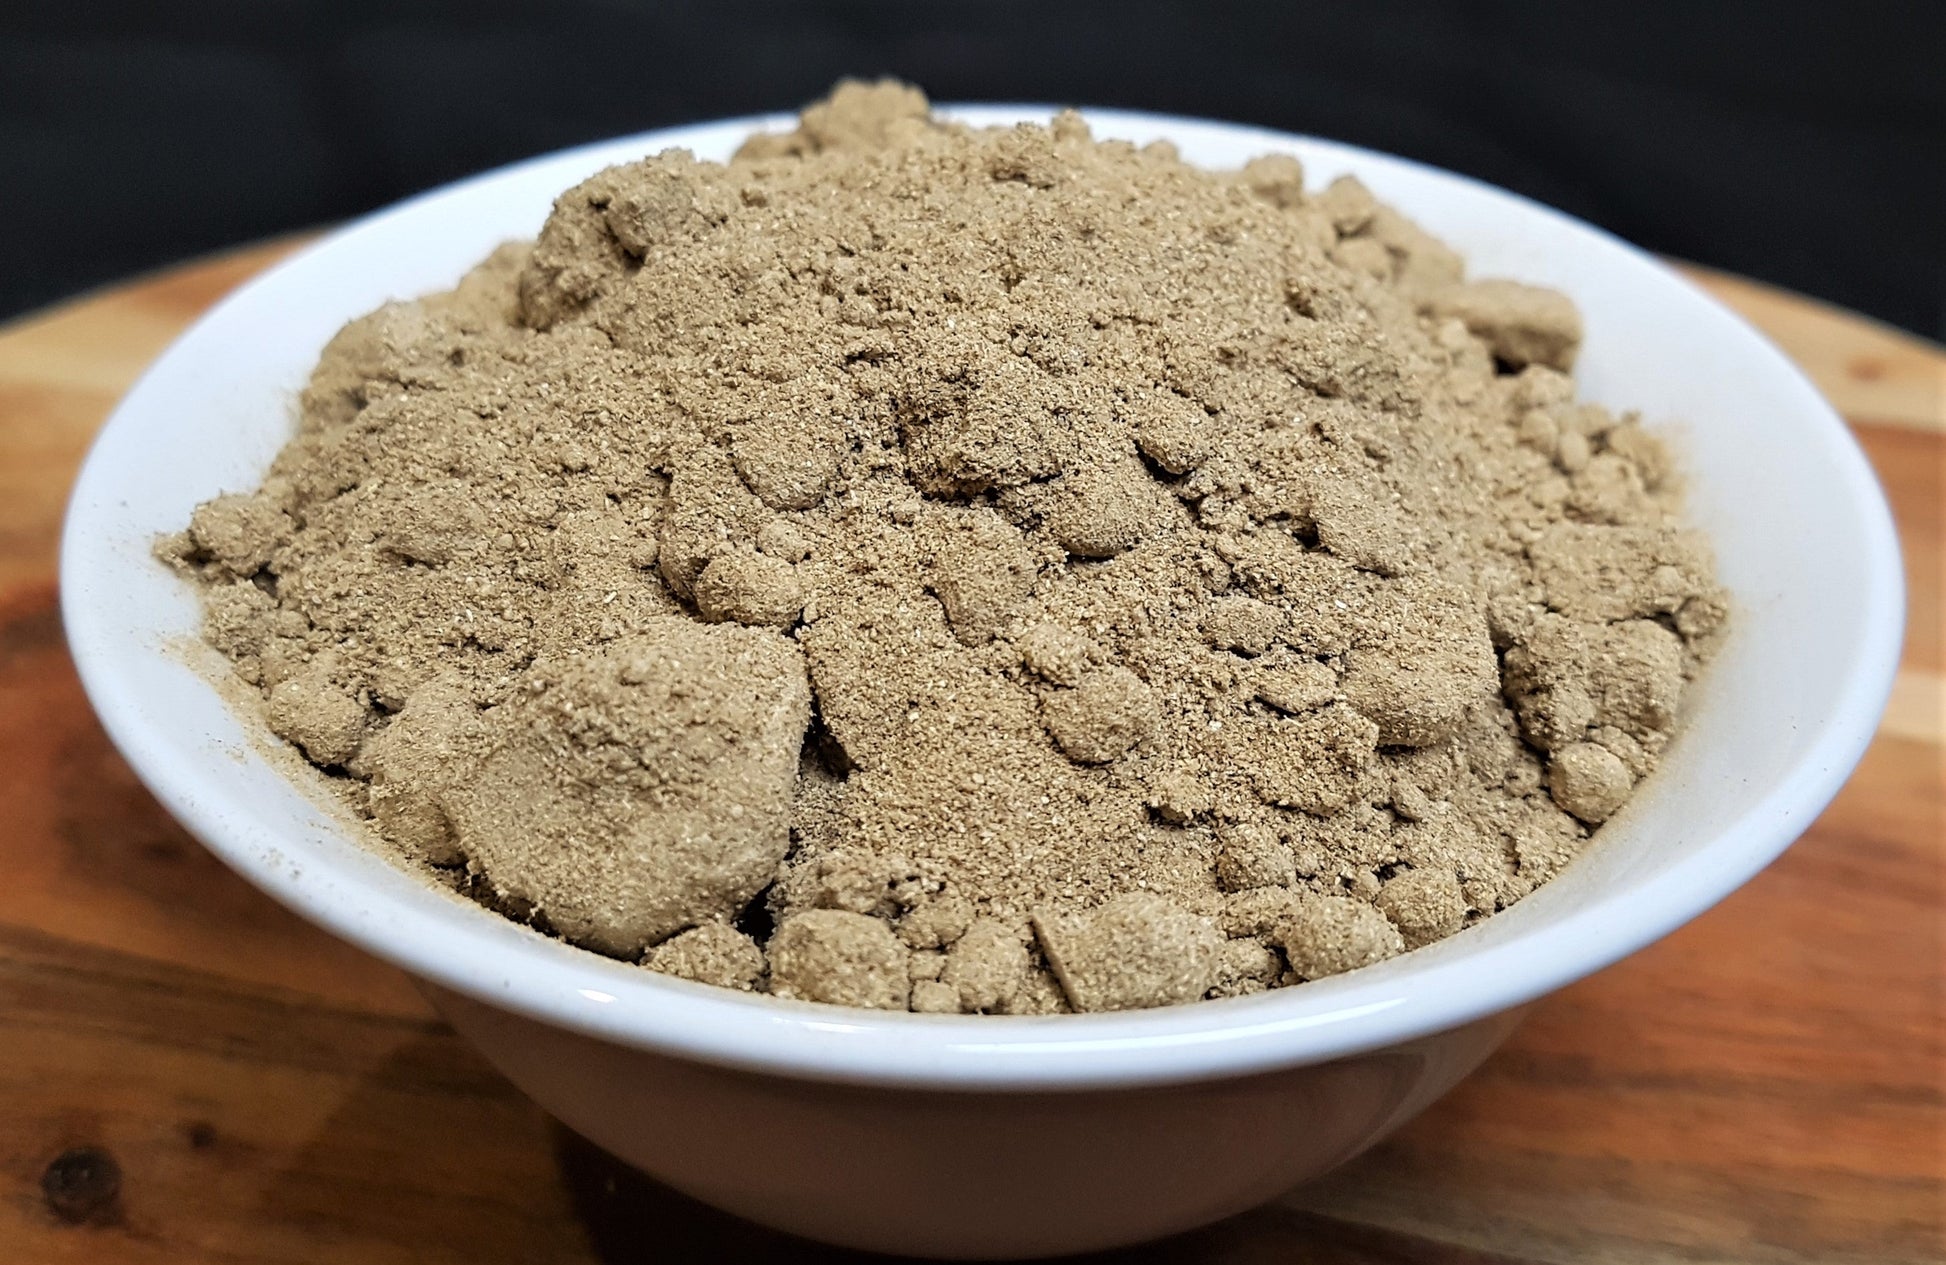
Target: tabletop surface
<point>190,1073</point>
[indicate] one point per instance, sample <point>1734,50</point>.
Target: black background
<point>1804,144</point>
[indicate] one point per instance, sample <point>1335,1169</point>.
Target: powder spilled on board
<point>969,571</point>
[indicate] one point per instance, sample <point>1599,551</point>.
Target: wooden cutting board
<point>189,1073</point>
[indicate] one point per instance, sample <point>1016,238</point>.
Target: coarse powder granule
<point>989,571</point>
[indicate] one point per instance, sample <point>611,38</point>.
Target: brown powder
<point>1000,571</point>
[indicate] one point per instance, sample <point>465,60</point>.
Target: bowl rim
<point>545,980</point>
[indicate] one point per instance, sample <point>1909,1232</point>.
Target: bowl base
<point>970,1175</point>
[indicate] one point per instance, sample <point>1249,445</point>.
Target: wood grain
<point>192,1074</point>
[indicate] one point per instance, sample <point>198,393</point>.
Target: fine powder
<point>987,571</point>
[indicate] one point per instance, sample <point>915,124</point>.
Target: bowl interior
<point>1802,535</point>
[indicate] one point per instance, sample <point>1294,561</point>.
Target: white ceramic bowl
<point>1019,1136</point>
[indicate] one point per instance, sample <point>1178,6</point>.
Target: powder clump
<point>713,953</point>
<point>1136,951</point>
<point>641,788</point>
<point>969,571</point>
<point>846,959</point>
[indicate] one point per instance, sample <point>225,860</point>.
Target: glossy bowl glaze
<point>967,1135</point>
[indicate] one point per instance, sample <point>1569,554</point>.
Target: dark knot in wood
<point>82,1184</point>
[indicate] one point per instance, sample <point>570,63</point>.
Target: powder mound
<point>969,571</point>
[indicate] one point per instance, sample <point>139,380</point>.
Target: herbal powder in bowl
<point>988,571</point>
